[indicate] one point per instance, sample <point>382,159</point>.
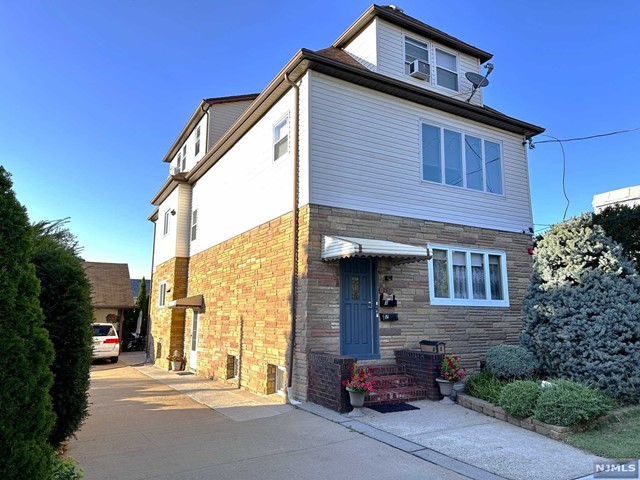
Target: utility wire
<point>564,171</point>
<point>589,137</point>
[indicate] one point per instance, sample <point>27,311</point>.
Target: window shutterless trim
<point>283,138</point>
<point>469,302</point>
<point>162,294</point>
<point>456,71</point>
<point>463,155</point>
<point>166,226</point>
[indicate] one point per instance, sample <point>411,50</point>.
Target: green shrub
<point>582,310</point>
<point>519,398</point>
<point>65,468</point>
<point>511,362</point>
<point>485,386</point>
<point>65,298</point>
<point>26,416</point>
<point>569,403</point>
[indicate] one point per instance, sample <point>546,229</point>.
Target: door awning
<point>196,301</point>
<point>335,248</point>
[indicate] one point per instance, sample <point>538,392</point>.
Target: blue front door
<point>358,320</point>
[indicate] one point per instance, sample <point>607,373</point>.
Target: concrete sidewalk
<point>455,438</point>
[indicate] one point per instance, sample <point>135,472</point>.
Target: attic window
<point>414,50</point>
<point>197,149</point>
<point>183,167</point>
<point>446,70</point>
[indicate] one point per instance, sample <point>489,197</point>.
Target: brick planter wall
<point>425,367</point>
<point>325,375</point>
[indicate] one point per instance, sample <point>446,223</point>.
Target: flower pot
<point>176,366</point>
<point>446,387</point>
<point>356,398</point>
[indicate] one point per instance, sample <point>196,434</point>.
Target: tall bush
<point>26,416</point>
<point>65,299</point>
<point>582,309</point>
<point>622,223</point>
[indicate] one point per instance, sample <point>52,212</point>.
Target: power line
<point>588,137</point>
<point>564,171</point>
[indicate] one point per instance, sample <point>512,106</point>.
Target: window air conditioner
<point>420,69</point>
<point>174,170</point>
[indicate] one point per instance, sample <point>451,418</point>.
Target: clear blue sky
<point>92,94</point>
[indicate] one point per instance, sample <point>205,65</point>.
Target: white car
<point>106,343</point>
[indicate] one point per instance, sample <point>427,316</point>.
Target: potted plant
<point>176,360</point>
<point>359,385</point>
<point>451,372</point>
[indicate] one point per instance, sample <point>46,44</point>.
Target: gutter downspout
<point>153,255</point>
<point>294,242</point>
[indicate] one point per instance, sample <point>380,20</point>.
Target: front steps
<point>393,385</point>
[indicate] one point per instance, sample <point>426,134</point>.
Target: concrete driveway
<point>140,428</point>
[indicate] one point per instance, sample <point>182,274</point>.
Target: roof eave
<point>412,25</point>
<point>196,116</point>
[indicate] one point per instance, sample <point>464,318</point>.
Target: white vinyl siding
<point>176,242</point>
<point>366,155</point>
<point>467,277</point>
<point>221,117</point>
<point>391,62</point>
<point>442,151</point>
<point>248,179</point>
<point>364,47</point>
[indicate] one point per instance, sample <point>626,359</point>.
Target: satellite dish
<point>477,79</point>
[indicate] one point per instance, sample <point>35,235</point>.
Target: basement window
<point>232,366</point>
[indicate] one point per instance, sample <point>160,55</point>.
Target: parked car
<point>106,343</point>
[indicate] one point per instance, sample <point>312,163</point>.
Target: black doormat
<point>394,407</point>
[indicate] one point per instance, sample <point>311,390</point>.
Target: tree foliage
<point>142,301</point>
<point>26,416</point>
<point>582,309</point>
<point>65,298</point>
<point>622,223</point>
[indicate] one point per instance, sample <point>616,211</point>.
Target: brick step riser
<point>404,395</point>
<point>385,370</point>
<point>394,381</point>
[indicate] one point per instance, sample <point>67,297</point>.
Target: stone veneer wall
<point>167,324</point>
<point>246,283</point>
<point>468,331</point>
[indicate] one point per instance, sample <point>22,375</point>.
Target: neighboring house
<point>403,193</point>
<point>110,290</point>
<point>629,196</point>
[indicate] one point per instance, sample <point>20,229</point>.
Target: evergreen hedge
<point>582,309</point>
<point>511,362</point>
<point>568,403</point>
<point>519,398</point>
<point>65,298</point>
<point>26,416</point>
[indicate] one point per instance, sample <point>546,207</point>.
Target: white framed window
<point>183,166</point>
<point>414,50</point>
<point>197,146</point>
<point>166,226</point>
<point>178,166</point>
<point>194,224</point>
<point>468,276</point>
<point>460,159</point>
<point>162,293</point>
<point>281,138</point>
<point>446,70</point>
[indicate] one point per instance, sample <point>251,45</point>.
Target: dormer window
<point>446,70</point>
<point>415,50</point>
<point>197,149</point>
<point>183,166</point>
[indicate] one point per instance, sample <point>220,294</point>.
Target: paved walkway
<point>141,428</point>
<point>435,441</point>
